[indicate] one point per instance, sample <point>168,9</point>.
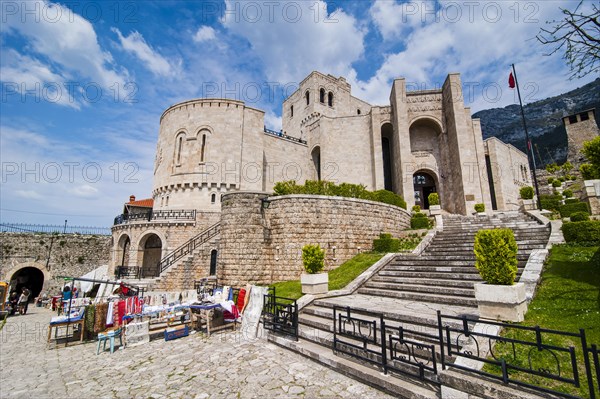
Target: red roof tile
<point>145,203</point>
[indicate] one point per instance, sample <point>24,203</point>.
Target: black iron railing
<point>188,247</point>
<point>364,335</point>
<point>150,215</point>
<point>284,136</point>
<point>128,272</point>
<point>537,355</point>
<point>280,315</point>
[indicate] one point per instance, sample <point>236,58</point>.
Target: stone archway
<point>29,275</point>
<point>150,248</point>
<point>424,183</point>
<point>123,249</point>
<point>316,158</point>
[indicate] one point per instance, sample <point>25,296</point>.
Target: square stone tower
<point>581,127</point>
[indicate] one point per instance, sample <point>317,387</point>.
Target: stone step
<point>441,262</point>
<point>425,280</point>
<point>433,275</point>
<point>393,384</point>
<point>467,257</point>
<point>422,297</point>
<point>469,247</point>
<point>425,288</point>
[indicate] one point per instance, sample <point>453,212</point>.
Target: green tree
<point>577,35</point>
<point>591,150</point>
<point>566,167</point>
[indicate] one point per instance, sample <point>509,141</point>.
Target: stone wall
<point>592,195</point>
<point>262,244</point>
<point>70,255</point>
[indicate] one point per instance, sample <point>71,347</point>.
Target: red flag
<point>511,81</point>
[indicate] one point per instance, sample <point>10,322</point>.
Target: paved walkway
<point>222,366</point>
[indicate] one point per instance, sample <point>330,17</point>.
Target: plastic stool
<point>110,335</point>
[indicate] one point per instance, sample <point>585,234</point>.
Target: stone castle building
<point>580,127</point>
<point>210,149</point>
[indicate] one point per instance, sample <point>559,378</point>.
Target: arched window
<point>322,96</point>
<point>203,148</point>
<point>307,96</point>
<point>179,146</point>
<point>358,112</point>
<point>213,198</point>
<point>213,262</point>
<point>330,99</point>
<point>167,201</point>
<point>292,111</point>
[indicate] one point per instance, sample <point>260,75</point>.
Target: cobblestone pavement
<point>221,366</point>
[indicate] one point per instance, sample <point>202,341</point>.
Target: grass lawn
<point>338,277</point>
<point>567,299</point>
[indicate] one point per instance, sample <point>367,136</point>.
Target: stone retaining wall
<point>69,254</point>
<point>262,244</point>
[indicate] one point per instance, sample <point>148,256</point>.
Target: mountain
<point>544,122</point>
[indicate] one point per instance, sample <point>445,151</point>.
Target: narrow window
<point>330,99</point>
<point>584,116</point>
<point>322,96</point>
<point>292,111</point>
<point>213,198</point>
<point>179,145</point>
<point>307,95</point>
<point>167,201</point>
<point>358,112</point>
<point>573,119</point>
<point>203,148</point>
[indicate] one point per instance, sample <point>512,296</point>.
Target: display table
<point>207,316</point>
<point>64,321</point>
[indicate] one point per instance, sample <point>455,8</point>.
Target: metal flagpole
<point>530,156</point>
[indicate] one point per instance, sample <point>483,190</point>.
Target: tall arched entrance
<point>123,248</point>
<point>213,262</point>
<point>151,245</point>
<point>424,184</point>
<point>316,158</point>
<point>30,277</point>
<point>387,131</point>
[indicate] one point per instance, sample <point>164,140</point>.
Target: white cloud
<point>69,41</point>
<point>28,194</point>
<point>294,38</point>
<point>84,191</point>
<point>136,45</point>
<point>394,20</point>
<point>272,121</point>
<point>204,33</point>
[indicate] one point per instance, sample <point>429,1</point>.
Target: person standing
<point>14,300</point>
<point>24,300</point>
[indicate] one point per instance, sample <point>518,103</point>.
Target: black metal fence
<point>128,272</point>
<point>280,315</point>
<point>284,136</point>
<point>150,215</point>
<point>523,356</point>
<point>53,229</point>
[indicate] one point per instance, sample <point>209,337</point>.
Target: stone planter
<point>528,204</point>
<point>501,302</point>
<point>435,210</point>
<point>314,283</point>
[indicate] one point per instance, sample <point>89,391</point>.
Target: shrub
<point>479,207</point>
<point>568,193</point>
<point>496,256</point>
<point>562,179</point>
<point>582,232</point>
<point>312,258</point>
<point>571,200</point>
<point>550,180</point>
<point>552,168</point>
<point>385,243</point>
<point>550,202</point>
<point>556,183</point>
<point>388,197</point>
<point>526,192</point>
<point>566,167</point>
<point>580,217</point>
<point>589,172</point>
<point>416,209</point>
<point>567,209</point>
<point>434,199</point>
<point>419,223</point>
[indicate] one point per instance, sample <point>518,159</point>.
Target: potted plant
<point>480,209</point>
<point>498,298</point>
<point>434,204</point>
<point>313,281</point>
<point>526,193</point>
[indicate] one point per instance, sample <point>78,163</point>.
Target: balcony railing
<point>150,215</point>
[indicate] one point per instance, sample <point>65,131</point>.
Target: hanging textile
<point>100,321</point>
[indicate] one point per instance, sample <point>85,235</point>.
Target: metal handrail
<point>189,246</point>
<point>149,215</point>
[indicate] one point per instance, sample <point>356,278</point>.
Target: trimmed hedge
<point>433,198</point>
<point>550,180</point>
<point>550,202</point>
<point>526,192</point>
<point>556,183</point>
<point>385,243</point>
<point>479,207</point>
<point>567,209</point>
<point>496,256</point>
<point>419,221</point>
<point>322,187</point>
<point>313,258</point>
<point>571,200</point>
<point>580,217</point>
<point>582,232</point>
<point>568,193</point>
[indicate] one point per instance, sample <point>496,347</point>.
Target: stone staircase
<point>409,291</point>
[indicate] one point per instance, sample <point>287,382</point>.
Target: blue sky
<point>84,83</point>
